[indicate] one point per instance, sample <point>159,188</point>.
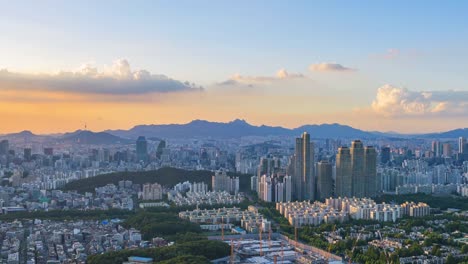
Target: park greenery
<point>191,245</point>
<point>166,176</point>
<point>441,202</point>
<point>200,251</point>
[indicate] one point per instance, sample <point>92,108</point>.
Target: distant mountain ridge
<point>238,128</point>
<point>234,129</point>
<point>456,133</point>
<point>92,138</point>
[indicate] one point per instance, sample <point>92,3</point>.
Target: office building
<point>324,180</point>
<point>303,178</point>
<point>142,149</point>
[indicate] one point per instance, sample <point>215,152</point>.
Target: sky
<point>375,65</point>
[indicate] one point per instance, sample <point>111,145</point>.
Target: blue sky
<point>418,45</point>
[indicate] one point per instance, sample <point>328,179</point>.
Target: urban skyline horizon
<point>85,127</point>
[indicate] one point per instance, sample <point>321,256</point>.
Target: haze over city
<point>377,66</point>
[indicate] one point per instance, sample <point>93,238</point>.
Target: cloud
<point>392,101</point>
<point>119,79</point>
<point>280,75</point>
<point>283,74</point>
<point>329,67</point>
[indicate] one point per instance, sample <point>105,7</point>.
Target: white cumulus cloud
<point>395,101</point>
<point>119,79</point>
<point>329,67</point>
<point>280,75</point>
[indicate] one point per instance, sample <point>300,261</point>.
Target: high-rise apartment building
<point>447,150</point>
<point>370,172</point>
<point>276,188</point>
<point>303,177</point>
<point>324,180</point>
<point>357,168</point>
<point>356,171</point>
<point>222,182</point>
<point>436,148</point>
<point>268,165</point>
<point>152,191</point>
<point>344,178</point>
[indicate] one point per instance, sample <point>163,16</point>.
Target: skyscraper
<point>324,180</point>
<point>303,168</point>
<point>27,154</point>
<point>344,178</point>
<point>268,165</point>
<point>4,147</point>
<point>447,150</point>
<point>461,145</point>
<point>357,165</point>
<point>436,148</point>
<point>141,149</point>
<point>370,172</point>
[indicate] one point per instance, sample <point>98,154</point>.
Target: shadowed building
<point>324,180</point>
<point>385,155</point>
<point>303,169</point>
<point>370,171</point>
<point>142,149</point>
<point>343,173</point>
<point>357,165</point>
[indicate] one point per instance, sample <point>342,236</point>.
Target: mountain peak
<point>239,122</point>
<point>25,133</point>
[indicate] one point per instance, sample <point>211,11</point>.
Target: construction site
<point>273,248</point>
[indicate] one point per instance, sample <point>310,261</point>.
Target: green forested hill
<point>164,176</point>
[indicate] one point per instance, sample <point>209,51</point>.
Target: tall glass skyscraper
<point>344,178</point>
<point>357,165</point>
<point>303,169</point>
<point>142,149</point>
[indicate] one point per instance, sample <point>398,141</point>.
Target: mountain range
<point>240,128</point>
<point>234,129</point>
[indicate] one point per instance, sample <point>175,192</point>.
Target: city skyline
<point>241,131</point>
<point>284,64</point>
